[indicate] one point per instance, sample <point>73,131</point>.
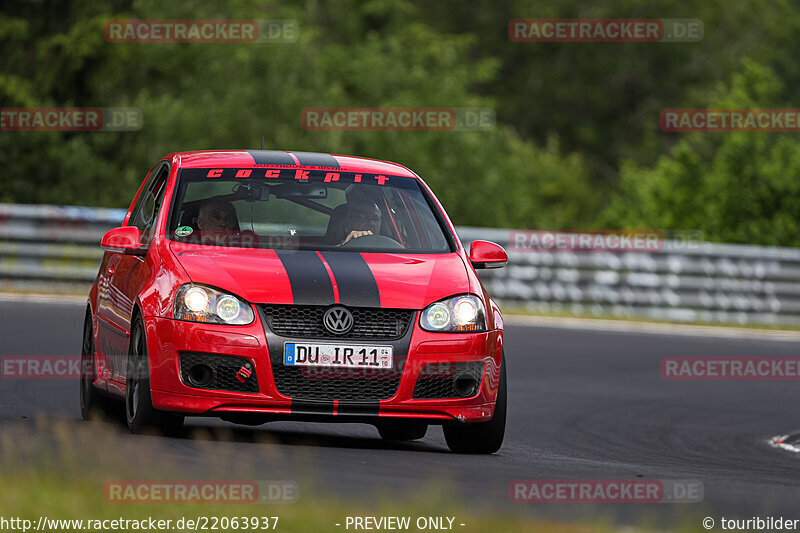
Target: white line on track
<point>43,298</point>
<point>780,442</point>
<point>657,328</point>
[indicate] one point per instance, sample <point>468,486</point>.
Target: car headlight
<point>460,314</point>
<point>198,303</point>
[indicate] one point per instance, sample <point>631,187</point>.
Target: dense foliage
<point>577,142</point>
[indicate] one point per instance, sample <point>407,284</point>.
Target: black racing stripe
<point>271,157</point>
<point>321,407</point>
<point>314,159</point>
<point>357,286</point>
<point>311,284</point>
<point>361,408</point>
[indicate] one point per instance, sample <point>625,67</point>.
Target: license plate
<point>337,355</point>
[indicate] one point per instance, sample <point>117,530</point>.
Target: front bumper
<point>168,339</point>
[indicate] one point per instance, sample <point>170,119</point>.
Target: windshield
<point>304,209</point>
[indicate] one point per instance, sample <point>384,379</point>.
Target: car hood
<point>302,277</point>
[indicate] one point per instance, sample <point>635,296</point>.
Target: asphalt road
<point>583,404</point>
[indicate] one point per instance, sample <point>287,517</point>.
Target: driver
<point>363,218</point>
<point>217,215</point>
<point>219,225</point>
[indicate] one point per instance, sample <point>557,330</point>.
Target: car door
<point>125,275</point>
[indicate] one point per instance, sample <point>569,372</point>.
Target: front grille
<point>305,321</point>
<point>308,383</point>
<point>223,372</point>
<point>439,380</point>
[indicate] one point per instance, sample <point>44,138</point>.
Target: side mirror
<point>485,254</point>
<point>124,240</point>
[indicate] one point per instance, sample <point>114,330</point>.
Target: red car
<point>266,285</point>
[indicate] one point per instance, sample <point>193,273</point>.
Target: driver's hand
<point>355,234</point>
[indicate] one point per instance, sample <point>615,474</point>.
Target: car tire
<point>94,406</point>
<point>140,414</point>
<point>481,437</point>
<point>403,431</point>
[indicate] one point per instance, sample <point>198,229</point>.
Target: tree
<point>736,187</point>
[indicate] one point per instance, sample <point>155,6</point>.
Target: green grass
<point>36,494</point>
<point>60,471</point>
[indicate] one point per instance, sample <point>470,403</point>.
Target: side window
<point>433,234</point>
<point>145,212</point>
<point>402,216</point>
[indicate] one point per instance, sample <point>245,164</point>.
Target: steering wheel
<point>373,241</point>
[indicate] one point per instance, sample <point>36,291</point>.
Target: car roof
<point>287,159</point>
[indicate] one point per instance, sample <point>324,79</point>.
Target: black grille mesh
<point>438,380</point>
<point>306,321</point>
<point>336,384</point>
<point>225,368</point>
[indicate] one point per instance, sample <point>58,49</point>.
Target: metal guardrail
<point>685,281</point>
<point>53,248</point>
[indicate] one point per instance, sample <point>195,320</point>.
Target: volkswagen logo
<point>338,320</point>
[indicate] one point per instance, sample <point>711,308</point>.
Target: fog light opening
<point>200,375</point>
<point>466,385</point>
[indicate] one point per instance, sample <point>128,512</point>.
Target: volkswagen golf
<point>263,285</point>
